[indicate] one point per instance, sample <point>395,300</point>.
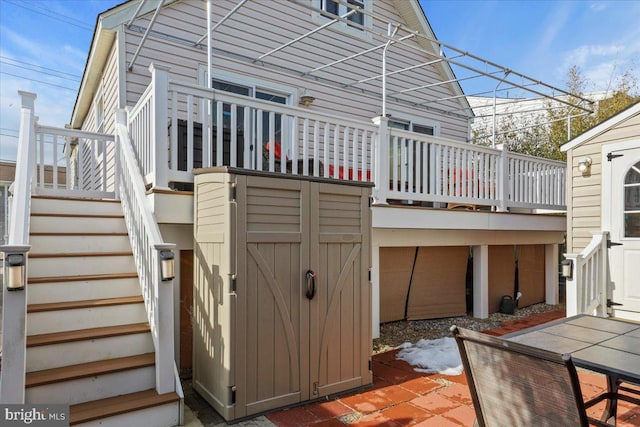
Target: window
<point>258,93</point>
<point>426,130</point>
<point>335,8</point>
<point>99,146</point>
<point>99,114</point>
<point>632,202</point>
<point>403,151</point>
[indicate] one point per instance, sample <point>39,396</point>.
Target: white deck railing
<point>147,243</point>
<point>214,128</point>
<point>427,168</point>
<point>431,169</point>
<point>245,133</point>
<point>535,182</point>
<point>70,161</point>
<point>587,288</point>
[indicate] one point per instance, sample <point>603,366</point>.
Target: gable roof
<point>416,18</point>
<point>599,129</point>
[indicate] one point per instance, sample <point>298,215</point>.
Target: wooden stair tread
<point>90,369</point>
<point>79,199</point>
<point>71,305</point>
<point>36,280</point>
<point>79,254</point>
<point>86,334</point>
<point>68,215</point>
<point>89,411</point>
<point>79,234</point>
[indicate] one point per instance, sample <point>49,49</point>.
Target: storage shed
<point>282,298</point>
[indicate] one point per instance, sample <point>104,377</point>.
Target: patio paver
<point>402,397</point>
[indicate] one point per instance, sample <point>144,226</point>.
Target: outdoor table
<point>607,346</point>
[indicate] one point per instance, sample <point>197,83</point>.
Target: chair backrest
<point>515,385</point>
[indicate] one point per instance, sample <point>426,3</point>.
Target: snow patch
<point>432,356</point>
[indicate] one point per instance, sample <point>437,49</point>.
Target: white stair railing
<point>14,306</point>
<point>148,249</point>
<point>587,287</point>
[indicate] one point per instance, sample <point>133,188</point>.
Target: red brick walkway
<point>402,397</point>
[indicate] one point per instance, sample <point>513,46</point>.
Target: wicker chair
<point>515,385</point>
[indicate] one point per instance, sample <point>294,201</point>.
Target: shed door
<point>625,229</point>
<point>340,311</point>
<point>272,318</point>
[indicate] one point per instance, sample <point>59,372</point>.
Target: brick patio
<point>402,397</point>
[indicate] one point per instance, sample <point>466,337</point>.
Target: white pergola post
<point>381,156</point>
<point>481,281</point>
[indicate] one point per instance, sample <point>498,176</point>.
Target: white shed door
<point>625,228</point>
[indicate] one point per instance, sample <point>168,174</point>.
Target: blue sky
<point>44,44</point>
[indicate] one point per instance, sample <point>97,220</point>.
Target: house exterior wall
<point>584,193</point>
<point>258,27</point>
<point>108,91</point>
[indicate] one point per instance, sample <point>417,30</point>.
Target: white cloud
<point>603,63</point>
<point>598,6</point>
<point>585,54</point>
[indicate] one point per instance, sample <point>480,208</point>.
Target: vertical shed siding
<point>261,26</point>
<point>586,197</point>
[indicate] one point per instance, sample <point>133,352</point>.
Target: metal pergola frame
<point>463,66</point>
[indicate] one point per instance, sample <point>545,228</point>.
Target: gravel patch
<point>393,334</point>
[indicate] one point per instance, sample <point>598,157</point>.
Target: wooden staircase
<point>88,338</point>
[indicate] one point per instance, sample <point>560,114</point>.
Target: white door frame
<point>605,189</point>
<point>607,205</point>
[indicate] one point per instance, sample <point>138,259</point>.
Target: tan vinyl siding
<point>586,193</point>
<point>259,27</point>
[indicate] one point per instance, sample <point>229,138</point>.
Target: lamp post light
<point>167,265</point>
<point>567,269</point>
<point>15,271</point>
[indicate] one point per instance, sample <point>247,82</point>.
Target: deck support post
<point>375,290</point>
<point>551,274</point>
<point>481,281</point>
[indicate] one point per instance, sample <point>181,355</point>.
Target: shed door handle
<point>311,284</point>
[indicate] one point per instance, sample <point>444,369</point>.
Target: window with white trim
<point>402,154</point>
<point>258,93</point>
<point>412,127</point>
<point>99,111</point>
<point>632,202</point>
<point>99,146</point>
<point>266,131</point>
<point>338,9</point>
